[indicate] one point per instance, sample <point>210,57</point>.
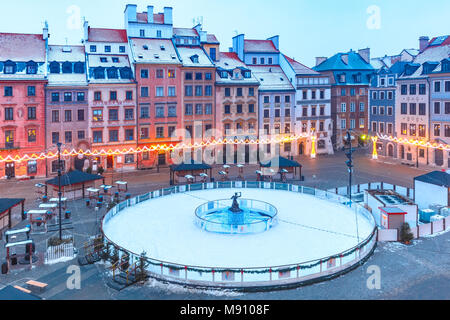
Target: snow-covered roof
<point>299,68</point>
<point>22,47</point>
<point>189,55</point>
<point>230,62</point>
<point>107,35</point>
<point>154,51</point>
<point>271,78</point>
<point>259,46</point>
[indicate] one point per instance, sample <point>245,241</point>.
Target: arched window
<point>67,67</point>
<point>79,67</point>
<point>125,73</point>
<point>55,67</point>
<point>99,73</point>
<point>112,73</point>
<point>31,67</point>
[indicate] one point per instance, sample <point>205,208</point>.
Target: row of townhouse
<point>150,84</point>
<point>410,99</point>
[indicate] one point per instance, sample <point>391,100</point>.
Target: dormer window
<point>78,67</point>
<point>67,67</point>
<point>194,58</point>
<point>55,67</point>
<point>10,67</point>
<point>112,73</point>
<point>31,67</point>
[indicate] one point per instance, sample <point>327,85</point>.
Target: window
<point>188,76</point>
<point>67,115</point>
<point>113,114</point>
<point>198,109</point>
<point>31,113</point>
<point>129,114</point>
<point>129,95</point>
<point>55,137</point>
<point>81,134</point>
<point>97,96</point>
<point>160,132</point>
<point>404,108</point>
<point>144,73</point>
<point>188,91</point>
<point>55,116</point>
<point>188,109</point>
<point>80,114</point>
<point>80,96</point>
<point>97,115</point>
<point>227,92</point>
<point>9,113</point>
<point>422,89</point>
<point>31,135</point>
<point>68,136</point>
<point>437,130</point>
<point>208,108</point>
<point>129,134</point>
<point>113,135</point>
<point>8,91</point>
<point>422,130</point>
<point>160,91</point>
<point>198,91</point>
<point>422,109</point>
<point>31,91</point>
<point>144,91</point>
<point>55,96</point>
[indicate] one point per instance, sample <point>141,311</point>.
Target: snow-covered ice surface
<point>308,229</point>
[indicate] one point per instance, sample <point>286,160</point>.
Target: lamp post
<point>59,189</point>
<point>349,164</point>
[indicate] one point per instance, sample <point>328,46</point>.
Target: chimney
<point>319,60</point>
<point>344,58</point>
<point>423,43</point>
<point>130,13</point>
<point>86,30</point>
<point>150,14</point>
<point>45,31</point>
<point>365,54</point>
<point>168,15</point>
<point>276,41</point>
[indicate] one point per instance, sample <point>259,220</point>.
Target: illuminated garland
<point>418,143</point>
<point>155,147</point>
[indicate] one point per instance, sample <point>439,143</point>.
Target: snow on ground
<point>308,229</point>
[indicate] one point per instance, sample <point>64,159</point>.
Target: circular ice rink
<point>308,228</point>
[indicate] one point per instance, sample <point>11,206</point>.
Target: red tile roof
<point>107,35</point>
<point>22,47</point>
<point>259,46</point>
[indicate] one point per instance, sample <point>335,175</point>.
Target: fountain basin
<point>255,216</point>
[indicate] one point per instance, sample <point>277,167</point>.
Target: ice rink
<point>308,228</point>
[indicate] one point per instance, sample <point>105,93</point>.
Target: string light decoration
<point>374,148</point>
<point>417,143</point>
<point>153,147</point>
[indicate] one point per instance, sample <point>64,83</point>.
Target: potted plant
<point>405,234</point>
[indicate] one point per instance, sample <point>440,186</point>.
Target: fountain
<point>243,216</point>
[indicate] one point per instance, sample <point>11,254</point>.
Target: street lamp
<point>59,188</point>
<point>349,164</point>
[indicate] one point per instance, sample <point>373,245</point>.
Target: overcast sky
<point>307,28</point>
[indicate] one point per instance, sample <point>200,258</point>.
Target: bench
<point>36,284</point>
<point>22,289</point>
